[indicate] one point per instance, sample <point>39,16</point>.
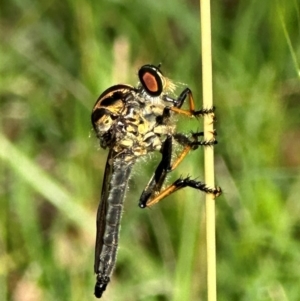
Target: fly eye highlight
<point>152,80</point>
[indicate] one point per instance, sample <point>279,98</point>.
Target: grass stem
<point>208,151</point>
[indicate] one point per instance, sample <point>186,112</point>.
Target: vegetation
<point>56,58</point>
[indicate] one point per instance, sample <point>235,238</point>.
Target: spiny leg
<point>151,194</point>
<point>190,145</point>
<point>160,173</point>
<point>159,176</point>
<point>177,103</point>
<point>182,183</point>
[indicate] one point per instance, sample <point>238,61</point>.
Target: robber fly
<point>132,122</point>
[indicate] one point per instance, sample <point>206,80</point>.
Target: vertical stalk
<point>208,151</point>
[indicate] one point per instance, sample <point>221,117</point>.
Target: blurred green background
<point>56,58</point>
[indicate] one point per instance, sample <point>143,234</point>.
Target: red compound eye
<point>150,82</point>
<point>151,79</point>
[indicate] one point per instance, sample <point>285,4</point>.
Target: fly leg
<point>181,183</point>
<point>190,145</point>
<point>152,194</point>
<point>178,102</point>
<point>159,176</point>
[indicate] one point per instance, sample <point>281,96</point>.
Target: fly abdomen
<point>106,247</point>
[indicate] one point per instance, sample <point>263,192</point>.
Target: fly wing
<point>102,209</point>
